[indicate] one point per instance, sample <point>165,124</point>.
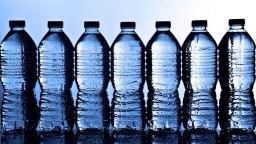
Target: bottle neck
<point>91,30</point>
<point>17,28</point>
<point>55,29</point>
<point>163,29</point>
<point>236,28</point>
<point>199,29</point>
<point>127,30</point>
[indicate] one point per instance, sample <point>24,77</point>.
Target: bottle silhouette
<point>236,74</point>
<point>199,68</point>
<point>164,137</point>
<point>197,137</point>
<point>18,76</point>
<point>128,76</point>
<point>92,77</point>
<point>237,138</point>
<point>163,60</point>
<point>56,75</point>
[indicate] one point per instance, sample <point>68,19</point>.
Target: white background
<point>110,13</point>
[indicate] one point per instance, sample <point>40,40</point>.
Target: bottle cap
<point>91,24</point>
<point>199,23</point>
<point>163,24</point>
<point>236,21</point>
<point>55,24</point>
<point>127,24</point>
<point>20,23</point>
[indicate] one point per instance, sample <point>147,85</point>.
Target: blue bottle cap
<point>127,24</point>
<point>199,23</point>
<point>55,24</point>
<point>91,24</point>
<point>163,24</point>
<point>20,23</point>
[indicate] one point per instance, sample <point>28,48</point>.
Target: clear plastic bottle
<point>92,77</point>
<point>163,60</point>
<point>128,76</point>
<point>237,76</point>
<point>56,76</point>
<point>199,68</point>
<point>18,75</point>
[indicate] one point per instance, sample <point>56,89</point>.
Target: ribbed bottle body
<point>237,76</point>
<point>163,64</point>
<point>92,77</point>
<point>56,76</point>
<point>199,65</point>
<point>128,76</point>
<point>18,75</point>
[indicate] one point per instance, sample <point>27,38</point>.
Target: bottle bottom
<point>237,111</point>
<point>164,111</point>
<point>200,111</point>
<point>56,112</point>
<point>128,112</point>
<point>19,111</point>
<point>92,111</point>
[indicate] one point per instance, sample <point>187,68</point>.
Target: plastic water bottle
<point>56,76</point>
<point>197,137</point>
<point>163,77</point>
<point>92,77</point>
<point>237,138</point>
<point>128,76</point>
<point>164,137</point>
<point>18,74</point>
<point>237,75</point>
<point>199,68</point>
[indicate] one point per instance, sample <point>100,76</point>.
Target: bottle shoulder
<point>199,40</point>
<point>128,40</point>
<point>57,38</point>
<point>92,40</point>
<point>21,37</point>
<point>242,37</point>
<point>163,40</point>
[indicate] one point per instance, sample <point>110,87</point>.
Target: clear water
<point>56,76</point>
<point>128,76</point>
<point>199,64</point>
<point>18,75</point>
<point>237,75</point>
<point>92,77</point>
<point>206,137</point>
<point>164,138</point>
<point>163,63</point>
